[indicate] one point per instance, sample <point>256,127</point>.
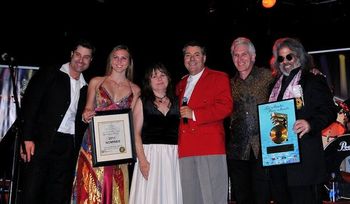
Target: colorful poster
<point>7,103</point>
<point>279,144</point>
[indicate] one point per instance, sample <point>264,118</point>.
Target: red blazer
<point>211,101</point>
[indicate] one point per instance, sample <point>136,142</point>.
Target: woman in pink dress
<point>114,91</point>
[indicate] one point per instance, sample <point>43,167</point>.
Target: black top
<point>158,128</point>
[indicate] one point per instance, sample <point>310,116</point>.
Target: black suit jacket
<point>44,105</point>
<point>320,111</point>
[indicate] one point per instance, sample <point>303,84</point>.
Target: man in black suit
<point>315,110</point>
<point>52,127</point>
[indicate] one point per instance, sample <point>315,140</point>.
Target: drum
<point>337,155</point>
<point>336,129</point>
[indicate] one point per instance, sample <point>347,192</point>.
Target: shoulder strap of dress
<point>131,89</point>
<point>102,81</point>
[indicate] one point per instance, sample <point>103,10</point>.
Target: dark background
<point>40,33</point>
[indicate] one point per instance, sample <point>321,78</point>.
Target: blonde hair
<point>130,69</point>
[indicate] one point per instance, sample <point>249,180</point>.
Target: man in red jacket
<point>206,101</point>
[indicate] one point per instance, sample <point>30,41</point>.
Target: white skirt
<point>163,185</point>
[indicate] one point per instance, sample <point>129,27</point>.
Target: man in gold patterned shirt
<point>250,86</point>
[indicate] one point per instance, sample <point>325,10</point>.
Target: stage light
<point>268,3</point>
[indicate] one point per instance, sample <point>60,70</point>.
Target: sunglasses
<point>289,57</point>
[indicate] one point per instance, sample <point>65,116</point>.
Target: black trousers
<point>49,176</point>
<point>250,181</point>
<point>286,194</point>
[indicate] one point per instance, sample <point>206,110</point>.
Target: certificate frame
<point>279,145</point>
<point>112,138</point>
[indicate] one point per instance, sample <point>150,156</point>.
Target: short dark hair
<point>195,43</point>
<point>84,43</point>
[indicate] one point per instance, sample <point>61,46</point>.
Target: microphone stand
<point>15,169</point>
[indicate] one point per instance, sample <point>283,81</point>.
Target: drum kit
<point>336,144</point>
<point>337,128</point>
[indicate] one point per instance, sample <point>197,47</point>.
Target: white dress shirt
<point>191,83</point>
<point>68,123</point>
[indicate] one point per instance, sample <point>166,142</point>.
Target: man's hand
<point>30,148</point>
<point>301,127</point>
<point>185,112</point>
<point>316,71</point>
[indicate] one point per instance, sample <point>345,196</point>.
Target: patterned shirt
<point>244,125</point>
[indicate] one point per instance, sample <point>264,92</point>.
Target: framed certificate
<point>279,143</point>
<point>112,138</point>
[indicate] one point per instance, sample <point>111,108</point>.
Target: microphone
<point>6,57</point>
<point>184,103</point>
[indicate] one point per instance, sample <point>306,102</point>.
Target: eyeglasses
<point>289,57</point>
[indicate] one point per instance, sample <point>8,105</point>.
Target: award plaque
<point>112,138</point>
<point>279,143</point>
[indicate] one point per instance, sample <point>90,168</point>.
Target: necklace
<point>160,99</point>
<point>116,83</point>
